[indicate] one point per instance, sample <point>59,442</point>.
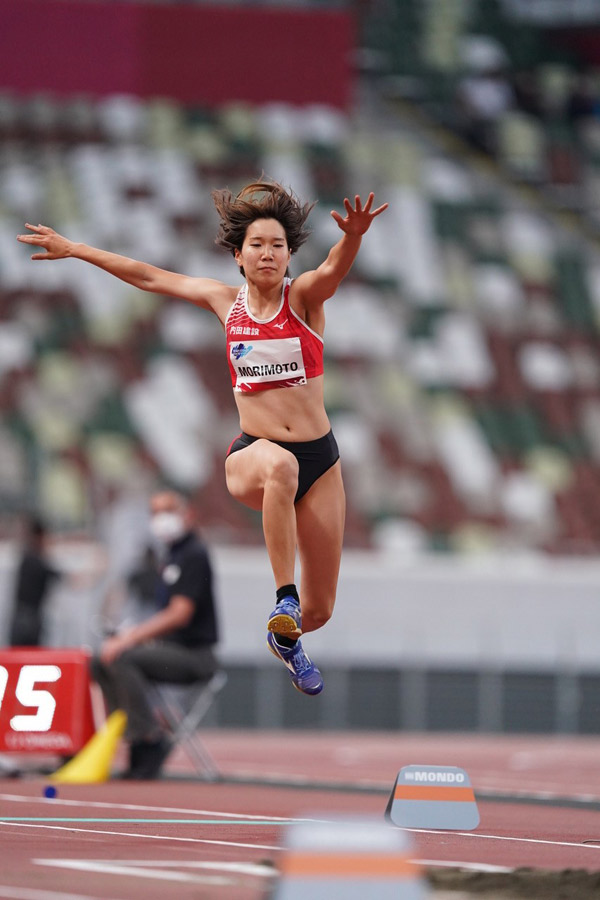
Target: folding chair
<point>182,708</point>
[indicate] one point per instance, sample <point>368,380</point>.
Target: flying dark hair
<point>260,200</point>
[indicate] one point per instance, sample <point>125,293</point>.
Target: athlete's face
<point>265,254</point>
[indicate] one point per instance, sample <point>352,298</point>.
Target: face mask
<point>167,527</point>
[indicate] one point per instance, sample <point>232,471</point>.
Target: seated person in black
<point>175,644</point>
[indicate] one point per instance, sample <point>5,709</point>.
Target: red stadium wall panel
<point>45,701</point>
<point>584,43</point>
<point>197,54</point>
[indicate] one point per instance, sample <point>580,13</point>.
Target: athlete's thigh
<point>246,470</point>
<point>320,517</point>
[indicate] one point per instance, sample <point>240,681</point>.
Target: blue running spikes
<point>304,674</point>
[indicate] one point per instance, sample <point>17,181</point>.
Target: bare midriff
<point>286,413</point>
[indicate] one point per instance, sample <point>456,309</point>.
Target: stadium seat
<point>522,145</point>
<point>466,292</point>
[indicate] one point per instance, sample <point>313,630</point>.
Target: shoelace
<point>300,661</point>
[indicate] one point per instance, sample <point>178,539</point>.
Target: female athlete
<point>285,462</point>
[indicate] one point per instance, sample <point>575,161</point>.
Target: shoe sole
<point>284,624</point>
<point>307,693</point>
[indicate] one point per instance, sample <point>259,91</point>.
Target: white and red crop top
<point>270,353</point>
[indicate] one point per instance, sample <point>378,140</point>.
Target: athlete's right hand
<point>55,245</point>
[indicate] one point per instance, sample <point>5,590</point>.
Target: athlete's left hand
<point>358,218</point>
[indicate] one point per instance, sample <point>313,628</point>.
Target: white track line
<point>498,837</point>
<point>237,868</point>
<point>150,837</point>
<point>164,871</point>
<point>233,816</point>
<point>97,804</point>
<point>155,874</point>
<point>164,837</point>
<point>16,893</point>
<point>535,793</point>
<point>453,864</point>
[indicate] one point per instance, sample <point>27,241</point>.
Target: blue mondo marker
<point>50,791</point>
<point>433,797</point>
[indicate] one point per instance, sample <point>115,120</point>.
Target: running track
<point>538,798</point>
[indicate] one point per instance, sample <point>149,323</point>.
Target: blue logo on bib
<point>240,350</point>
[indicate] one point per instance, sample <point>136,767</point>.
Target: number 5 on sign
<point>29,676</point>
<point>45,702</point>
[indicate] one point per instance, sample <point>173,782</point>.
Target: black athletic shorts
<point>314,457</point>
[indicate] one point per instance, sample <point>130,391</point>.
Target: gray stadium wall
<point>428,644</point>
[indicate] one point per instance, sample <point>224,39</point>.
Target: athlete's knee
<point>235,485</point>
<point>282,471</point>
<point>315,617</point>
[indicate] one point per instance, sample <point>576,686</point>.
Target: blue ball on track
<point>50,791</point>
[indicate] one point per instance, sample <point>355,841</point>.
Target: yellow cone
<point>92,763</point>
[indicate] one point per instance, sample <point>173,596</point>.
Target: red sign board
<point>199,54</point>
<point>45,702</point>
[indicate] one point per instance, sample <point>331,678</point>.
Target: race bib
<point>267,360</point>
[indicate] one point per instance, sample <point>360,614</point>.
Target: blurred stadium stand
<point>462,352</point>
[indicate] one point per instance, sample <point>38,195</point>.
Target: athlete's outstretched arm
<point>201,291</point>
<point>318,285</point>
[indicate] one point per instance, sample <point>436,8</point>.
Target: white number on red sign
<point>27,694</point>
<point>3,683</point>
